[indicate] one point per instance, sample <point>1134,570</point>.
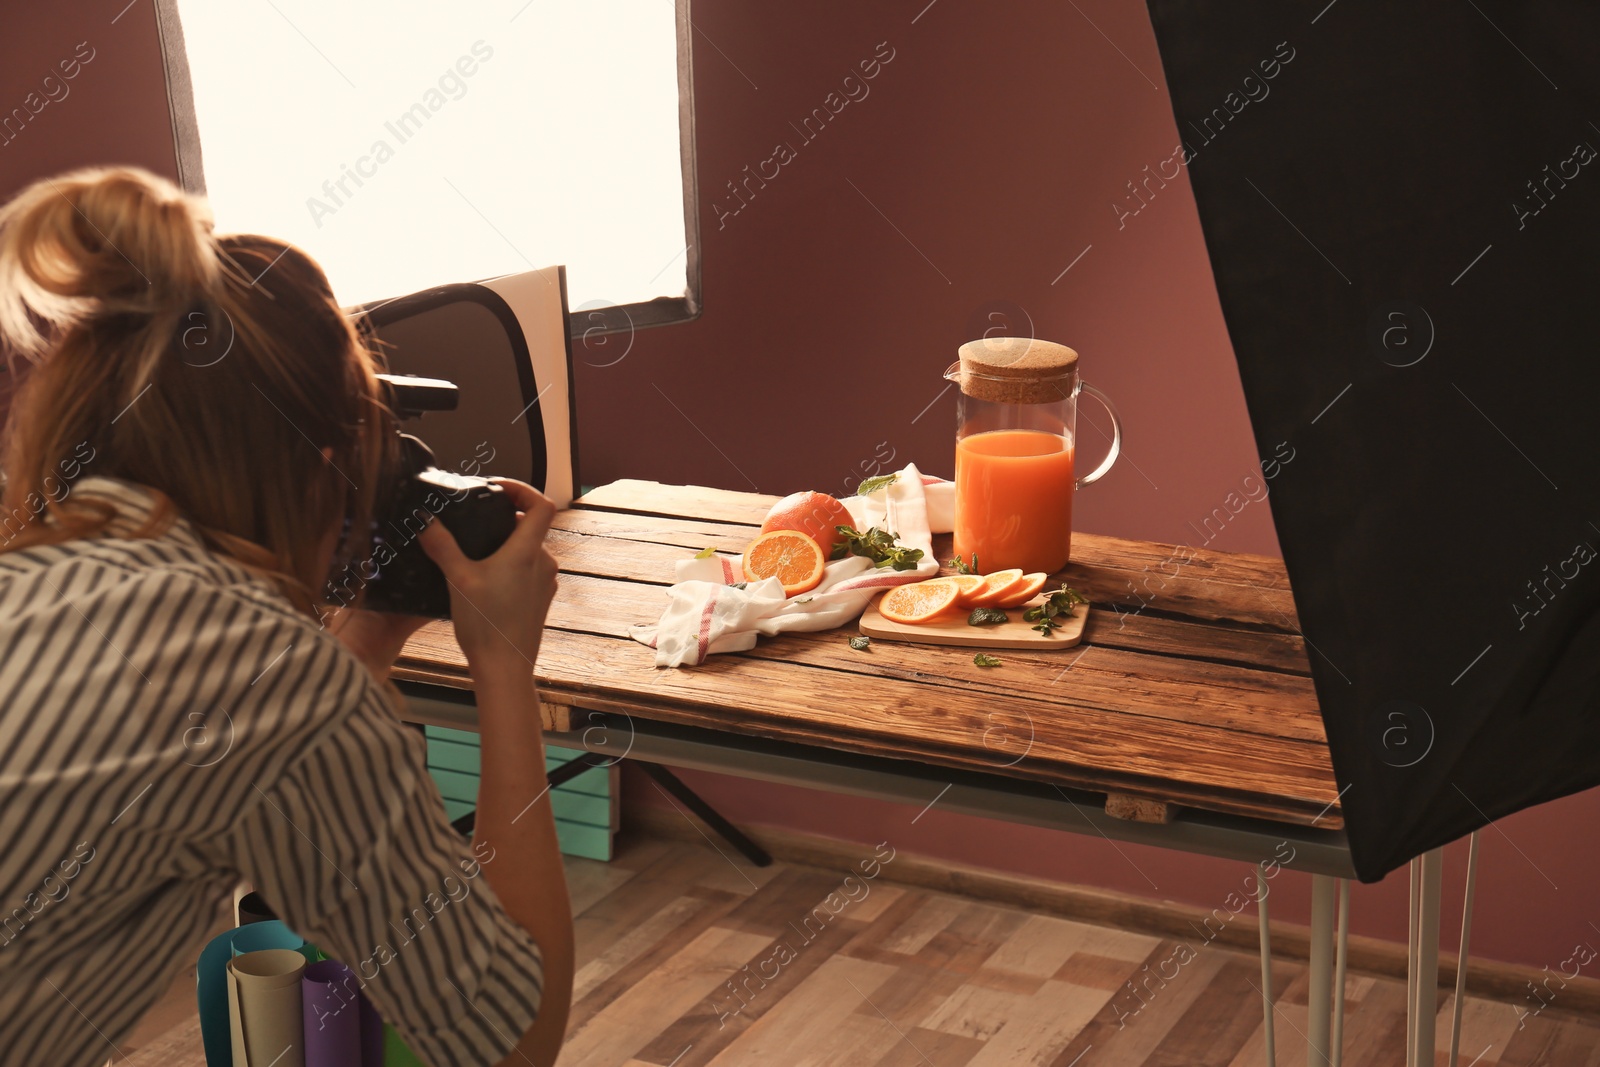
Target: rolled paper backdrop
<point>211,984</point>
<point>253,909</point>
<point>267,1022</point>
<point>332,1010</point>
<point>264,935</point>
<point>236,1050</point>
<point>396,1053</point>
<point>371,1034</point>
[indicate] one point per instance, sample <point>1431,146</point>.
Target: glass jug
<point>1016,452</point>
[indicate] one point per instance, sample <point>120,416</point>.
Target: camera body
<point>399,576</point>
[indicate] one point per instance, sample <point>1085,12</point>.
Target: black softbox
<point>1402,208</point>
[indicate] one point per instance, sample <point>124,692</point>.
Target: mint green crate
<point>585,808</point>
<point>454,755</point>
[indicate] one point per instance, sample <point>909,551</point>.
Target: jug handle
<point>1116,437</point>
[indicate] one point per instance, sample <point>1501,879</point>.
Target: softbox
<point>1401,203</point>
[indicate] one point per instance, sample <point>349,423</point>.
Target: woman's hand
<point>498,603</point>
<point>373,637</point>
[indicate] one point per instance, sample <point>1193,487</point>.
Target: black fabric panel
<point>1423,326</point>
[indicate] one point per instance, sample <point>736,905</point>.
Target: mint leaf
<point>872,485</point>
<point>878,546</point>
<point>905,559</point>
<point>983,659</point>
<point>860,643</point>
<point>705,553</point>
<point>987,617</point>
<point>1061,602</point>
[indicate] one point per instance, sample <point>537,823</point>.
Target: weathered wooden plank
<point>1128,578</point>
<point>609,557</point>
<point>693,534</point>
<point>1190,593</point>
<point>555,717</point>
<point>1216,641</point>
<point>1030,687</point>
<point>1135,809</point>
<point>1148,571</point>
<point>1086,747</point>
<point>1204,693</point>
<point>648,550</point>
<point>1162,559</point>
<point>682,501</point>
<point>1160,687</point>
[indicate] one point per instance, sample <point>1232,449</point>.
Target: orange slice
<point>969,583</point>
<point>1025,590</point>
<point>919,601</point>
<point>997,587</point>
<point>791,557</point>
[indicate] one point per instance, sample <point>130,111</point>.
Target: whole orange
<point>817,515</point>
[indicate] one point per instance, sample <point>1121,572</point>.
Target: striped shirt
<point>170,725</point>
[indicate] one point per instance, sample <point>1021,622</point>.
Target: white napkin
<point>705,614</point>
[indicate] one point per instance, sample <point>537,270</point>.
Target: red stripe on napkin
<point>705,623</point>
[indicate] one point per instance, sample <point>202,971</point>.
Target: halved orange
<point>791,557</point>
<point>997,587</point>
<point>969,583</point>
<point>1025,590</point>
<point>919,601</point>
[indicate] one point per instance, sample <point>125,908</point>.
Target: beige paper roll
<point>264,1008</point>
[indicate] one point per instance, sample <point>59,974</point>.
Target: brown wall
<point>991,148</point>
<point>115,109</point>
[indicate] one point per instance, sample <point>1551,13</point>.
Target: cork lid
<point>1016,370</point>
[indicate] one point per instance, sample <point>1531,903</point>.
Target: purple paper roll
<point>371,1034</point>
<point>332,1015</point>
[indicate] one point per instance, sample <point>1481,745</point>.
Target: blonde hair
<point>212,370</point>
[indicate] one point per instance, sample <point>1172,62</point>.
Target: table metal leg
<point>1424,1005</point>
<point>576,766</point>
<point>558,777</point>
<point>1414,870</point>
<point>1267,1007</point>
<point>712,818</point>
<point>1461,958</point>
<point>1319,990</point>
<point>1339,973</point>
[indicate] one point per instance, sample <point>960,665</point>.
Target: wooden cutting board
<point>956,631</point>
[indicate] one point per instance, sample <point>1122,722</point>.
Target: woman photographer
<point>198,439</point>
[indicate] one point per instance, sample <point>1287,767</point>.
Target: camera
<point>399,576</point>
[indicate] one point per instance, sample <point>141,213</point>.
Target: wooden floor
<point>688,957</point>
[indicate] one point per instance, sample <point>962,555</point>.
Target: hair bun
<point>103,240</point>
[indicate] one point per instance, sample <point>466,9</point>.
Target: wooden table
<point>1191,688</point>
<point>1185,719</point>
